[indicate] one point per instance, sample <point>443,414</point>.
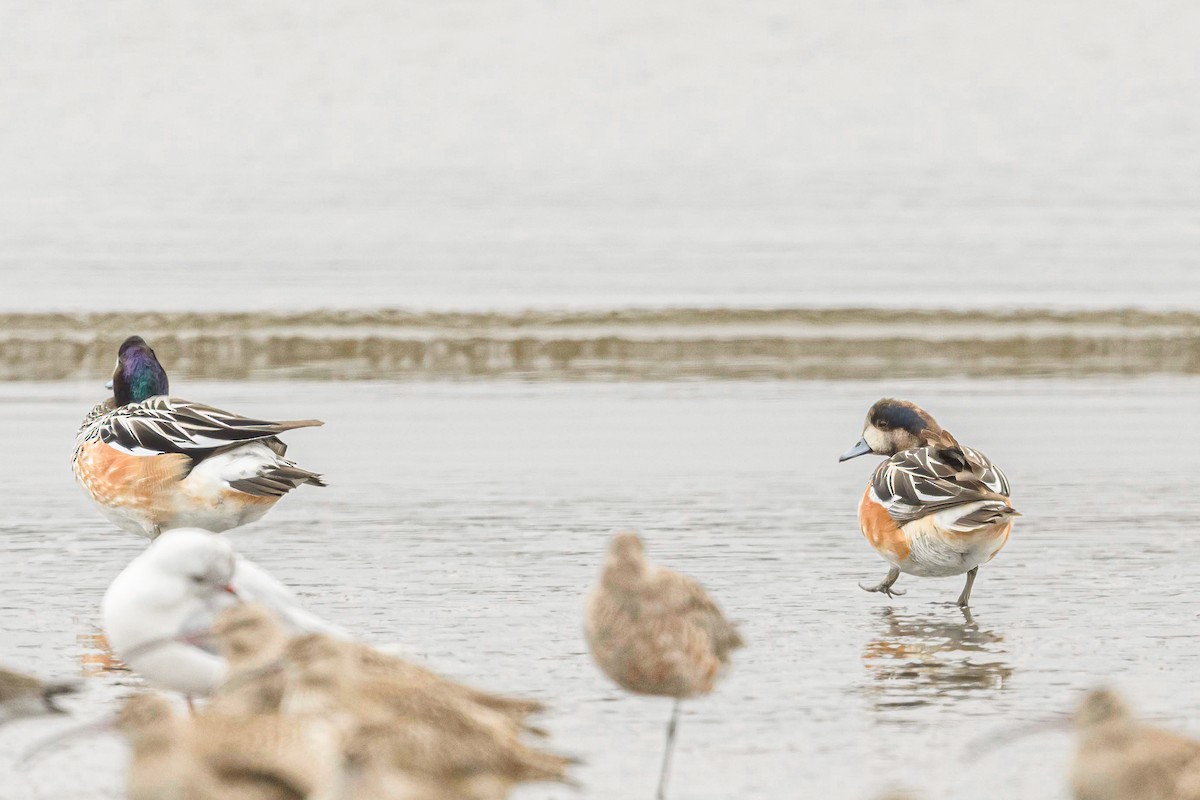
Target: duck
<point>934,508</point>
<point>654,631</point>
<point>152,462</point>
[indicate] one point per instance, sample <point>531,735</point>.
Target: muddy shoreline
<point>631,344</point>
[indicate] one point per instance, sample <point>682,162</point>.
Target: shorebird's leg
<point>191,704</point>
<point>965,597</point>
<point>886,586</point>
<point>666,762</point>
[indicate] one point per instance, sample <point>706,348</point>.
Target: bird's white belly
<point>181,668</point>
<point>937,553</point>
<point>129,519</point>
<point>218,515</point>
<point>205,499</point>
<point>139,634</point>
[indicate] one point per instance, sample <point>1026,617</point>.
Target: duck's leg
<point>965,597</point>
<point>666,762</point>
<point>886,585</point>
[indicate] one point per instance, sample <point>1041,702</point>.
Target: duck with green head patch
<point>152,462</point>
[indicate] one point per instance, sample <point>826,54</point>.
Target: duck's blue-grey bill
<point>108,385</point>
<point>860,449</point>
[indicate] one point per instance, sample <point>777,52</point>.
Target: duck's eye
<point>882,424</point>
<point>197,578</point>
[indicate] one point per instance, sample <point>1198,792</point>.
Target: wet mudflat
<point>465,521</point>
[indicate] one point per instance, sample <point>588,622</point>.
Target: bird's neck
<point>140,378</point>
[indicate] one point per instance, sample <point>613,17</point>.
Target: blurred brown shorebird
<point>213,756</point>
<point>1119,758</point>
<point>423,736</point>
<point>23,696</point>
<point>656,632</point>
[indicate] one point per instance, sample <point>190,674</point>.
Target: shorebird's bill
<point>95,726</point>
<point>1005,736</point>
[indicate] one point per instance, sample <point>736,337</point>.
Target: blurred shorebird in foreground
<point>656,632</point>
<point>152,462</point>
<point>401,730</point>
<point>425,737</point>
<point>1116,756</point>
<point>1119,758</point>
<point>211,756</point>
<point>24,696</point>
<point>252,641</point>
<point>255,645</point>
<point>935,508</point>
<point>176,587</point>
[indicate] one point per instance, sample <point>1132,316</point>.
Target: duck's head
<point>893,426</point>
<point>138,376</point>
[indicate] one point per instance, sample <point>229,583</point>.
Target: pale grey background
<point>186,155</point>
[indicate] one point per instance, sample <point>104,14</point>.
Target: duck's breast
<point>880,530</point>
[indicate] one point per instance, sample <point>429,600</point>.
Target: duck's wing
<point>102,408</point>
<point>173,425</point>
<point>929,480</point>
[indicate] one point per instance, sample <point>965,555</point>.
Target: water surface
<point>465,522</point>
<point>525,154</point>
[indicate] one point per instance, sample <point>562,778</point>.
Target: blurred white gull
<point>176,588</point>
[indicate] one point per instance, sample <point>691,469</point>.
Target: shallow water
<point>465,521</point>
<point>519,153</point>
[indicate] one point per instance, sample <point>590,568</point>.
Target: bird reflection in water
<point>923,659</point>
<point>96,657</point>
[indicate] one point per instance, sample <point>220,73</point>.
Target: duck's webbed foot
<point>885,586</point>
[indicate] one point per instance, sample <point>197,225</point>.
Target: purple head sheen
<point>138,375</point>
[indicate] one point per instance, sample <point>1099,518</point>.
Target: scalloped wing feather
<point>928,480</point>
<point>172,425</point>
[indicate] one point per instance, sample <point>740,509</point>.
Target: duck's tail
<point>278,480</point>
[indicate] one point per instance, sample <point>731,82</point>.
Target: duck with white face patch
<point>935,508</point>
